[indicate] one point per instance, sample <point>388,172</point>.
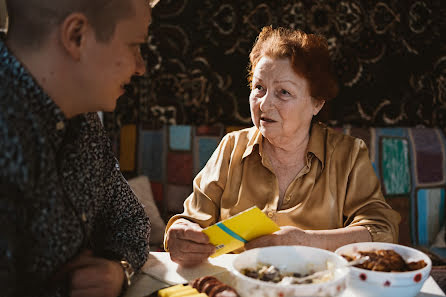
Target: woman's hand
<point>287,235</point>
<point>91,276</point>
<point>188,246</point>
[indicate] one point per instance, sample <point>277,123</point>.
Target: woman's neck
<point>287,155</point>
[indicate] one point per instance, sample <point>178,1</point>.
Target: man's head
<point>82,52</point>
<point>31,21</point>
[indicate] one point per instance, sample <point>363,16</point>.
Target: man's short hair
<point>31,21</point>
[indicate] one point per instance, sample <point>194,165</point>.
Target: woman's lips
<point>268,120</point>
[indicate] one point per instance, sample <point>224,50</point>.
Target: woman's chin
<point>266,132</point>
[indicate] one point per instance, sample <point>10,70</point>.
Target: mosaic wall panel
<point>378,134</point>
<point>209,131</point>
<point>151,154</point>
<point>395,170</point>
<point>179,168</point>
<point>430,214</point>
<point>180,138</point>
<point>410,163</point>
<point>127,147</point>
<point>205,146</point>
<point>429,158</point>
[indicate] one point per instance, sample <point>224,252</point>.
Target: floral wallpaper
<point>390,58</point>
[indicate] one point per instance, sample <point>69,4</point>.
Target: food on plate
<point>213,287</point>
<point>180,291</point>
<point>385,261</point>
<point>270,273</point>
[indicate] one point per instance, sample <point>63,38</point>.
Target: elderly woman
<point>318,185</point>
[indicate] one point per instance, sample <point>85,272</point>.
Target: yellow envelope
<point>232,233</point>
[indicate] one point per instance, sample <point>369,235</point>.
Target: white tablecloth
<point>159,272</point>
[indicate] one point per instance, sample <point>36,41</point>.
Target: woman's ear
<point>317,106</point>
<point>72,34</point>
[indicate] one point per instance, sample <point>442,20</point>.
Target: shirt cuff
<point>378,234</point>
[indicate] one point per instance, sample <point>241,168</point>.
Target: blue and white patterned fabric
<point>61,190</point>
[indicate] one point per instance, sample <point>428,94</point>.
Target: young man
<point>69,223</point>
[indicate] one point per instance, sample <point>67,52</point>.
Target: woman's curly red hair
<point>308,54</point>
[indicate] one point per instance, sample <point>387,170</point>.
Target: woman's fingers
<point>188,245</point>
<point>190,231</point>
<point>187,231</point>
<point>189,252</point>
<point>194,235</point>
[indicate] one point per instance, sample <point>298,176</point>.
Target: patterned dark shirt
<point>61,190</point>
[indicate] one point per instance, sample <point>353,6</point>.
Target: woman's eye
<point>284,92</point>
<point>258,87</point>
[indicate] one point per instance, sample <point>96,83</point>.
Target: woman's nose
<point>266,101</point>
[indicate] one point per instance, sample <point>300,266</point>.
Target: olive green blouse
<point>337,188</point>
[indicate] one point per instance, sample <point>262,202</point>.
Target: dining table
<point>160,272</point>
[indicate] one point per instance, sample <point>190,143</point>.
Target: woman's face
<point>281,105</point>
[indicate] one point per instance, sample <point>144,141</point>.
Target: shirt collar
<point>32,96</point>
<point>255,139</point>
<point>316,143</point>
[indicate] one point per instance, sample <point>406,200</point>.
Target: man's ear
<point>73,32</point>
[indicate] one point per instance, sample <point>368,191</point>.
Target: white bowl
<point>367,283</point>
<point>299,259</point>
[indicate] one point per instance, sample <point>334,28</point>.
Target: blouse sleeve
<point>364,203</point>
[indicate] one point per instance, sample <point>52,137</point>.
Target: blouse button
<point>270,214</point>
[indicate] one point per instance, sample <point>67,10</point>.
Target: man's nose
<point>140,67</point>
